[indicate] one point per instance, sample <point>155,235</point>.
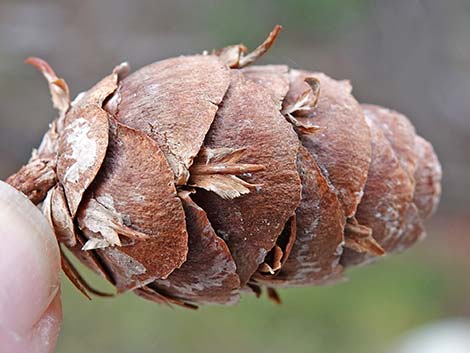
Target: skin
<point>30,306</point>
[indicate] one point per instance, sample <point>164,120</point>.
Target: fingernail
<point>42,338</point>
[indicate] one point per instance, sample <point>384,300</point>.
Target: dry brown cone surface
<point>198,177</point>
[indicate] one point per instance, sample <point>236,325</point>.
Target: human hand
<point>30,306</point>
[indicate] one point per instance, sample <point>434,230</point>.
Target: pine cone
<point>197,177</point>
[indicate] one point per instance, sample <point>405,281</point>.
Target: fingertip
<point>29,265</point>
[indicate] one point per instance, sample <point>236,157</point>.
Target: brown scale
<point>140,233</point>
<point>341,147</point>
<point>249,119</point>
<point>209,274</point>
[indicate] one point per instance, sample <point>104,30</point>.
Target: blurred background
<point>410,55</point>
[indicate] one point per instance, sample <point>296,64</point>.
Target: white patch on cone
<point>84,149</point>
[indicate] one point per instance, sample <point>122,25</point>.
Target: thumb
<point>30,308</point>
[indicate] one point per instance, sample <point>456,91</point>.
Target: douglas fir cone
<point>200,176</point>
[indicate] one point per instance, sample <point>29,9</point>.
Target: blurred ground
<point>410,55</point>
